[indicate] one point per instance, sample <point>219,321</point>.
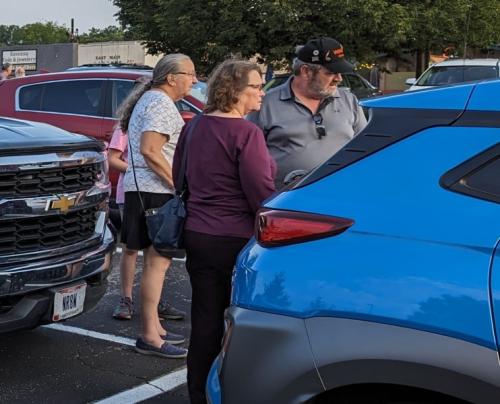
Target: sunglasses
<point>320,129</point>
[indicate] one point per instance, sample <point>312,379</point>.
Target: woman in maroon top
<point>229,173</point>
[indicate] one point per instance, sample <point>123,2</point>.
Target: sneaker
<point>174,339</point>
<point>166,350</point>
<point>124,310</point>
<point>168,312</point>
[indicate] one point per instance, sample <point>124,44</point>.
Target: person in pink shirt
<point>118,160</point>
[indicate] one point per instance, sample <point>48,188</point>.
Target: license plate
<point>68,302</point>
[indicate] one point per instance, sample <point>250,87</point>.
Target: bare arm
<point>151,144</point>
<point>115,161</point>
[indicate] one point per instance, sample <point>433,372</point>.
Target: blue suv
<point>376,277</point>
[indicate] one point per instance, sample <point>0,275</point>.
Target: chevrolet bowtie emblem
<point>63,203</point>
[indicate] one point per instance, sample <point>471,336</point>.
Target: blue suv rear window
<point>478,177</point>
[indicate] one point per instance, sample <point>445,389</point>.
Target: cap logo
<point>339,52</point>
<point>315,57</point>
<point>334,53</point>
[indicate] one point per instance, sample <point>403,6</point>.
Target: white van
<point>453,71</point>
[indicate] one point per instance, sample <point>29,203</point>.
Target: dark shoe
<point>124,310</point>
<point>174,339</point>
<point>168,312</point>
<point>166,350</point>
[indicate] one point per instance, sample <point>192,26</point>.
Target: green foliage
<point>111,33</point>
<point>36,33</point>
<point>483,28</point>
<point>210,31</point>
<point>42,33</point>
<point>50,32</point>
<point>7,34</point>
<point>437,24</point>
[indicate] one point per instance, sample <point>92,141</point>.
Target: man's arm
<point>258,118</point>
<point>359,117</point>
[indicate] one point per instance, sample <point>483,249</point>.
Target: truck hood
<point>26,136</point>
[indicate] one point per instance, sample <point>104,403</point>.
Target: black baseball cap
<point>327,52</point>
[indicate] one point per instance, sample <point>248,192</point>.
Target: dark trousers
<point>210,261</point>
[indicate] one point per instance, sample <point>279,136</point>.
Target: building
<point>61,56</point>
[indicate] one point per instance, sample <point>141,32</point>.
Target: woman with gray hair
<point>153,124</point>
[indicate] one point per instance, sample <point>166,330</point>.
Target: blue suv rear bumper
<point>278,361</point>
<point>271,358</point>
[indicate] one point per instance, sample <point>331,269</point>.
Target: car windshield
<point>199,91</point>
<point>443,75</point>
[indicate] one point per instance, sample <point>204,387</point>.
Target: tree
<point>42,33</point>
<point>210,31</point>
<point>111,33</point>
<point>438,24</point>
<point>36,33</point>
<point>7,34</point>
<point>365,27</point>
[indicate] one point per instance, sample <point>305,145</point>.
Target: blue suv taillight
<point>280,227</point>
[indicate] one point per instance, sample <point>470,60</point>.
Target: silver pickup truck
<point>55,244</point>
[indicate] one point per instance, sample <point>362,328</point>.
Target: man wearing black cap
<point>308,119</point>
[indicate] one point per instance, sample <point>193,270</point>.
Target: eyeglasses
<point>187,74</point>
<point>256,86</point>
<point>320,129</point>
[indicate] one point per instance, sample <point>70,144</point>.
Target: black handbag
<point>166,223</point>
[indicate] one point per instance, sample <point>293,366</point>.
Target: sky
<point>87,13</point>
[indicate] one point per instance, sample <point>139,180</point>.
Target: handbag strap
<point>182,172</point>
<point>181,179</point>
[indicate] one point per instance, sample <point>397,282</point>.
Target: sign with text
<point>24,58</point>
<point>111,52</point>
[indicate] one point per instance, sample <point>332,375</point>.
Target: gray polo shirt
<point>291,132</point>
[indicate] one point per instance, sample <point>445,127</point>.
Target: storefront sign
<point>24,58</point>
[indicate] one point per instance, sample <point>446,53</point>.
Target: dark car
<point>360,87</point>
<point>375,278</point>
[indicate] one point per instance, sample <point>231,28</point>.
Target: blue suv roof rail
<point>408,113</point>
<point>378,135</point>
<point>455,98</point>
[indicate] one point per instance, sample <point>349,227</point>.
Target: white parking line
<point>148,390</point>
<point>92,334</point>
<point>119,250</point>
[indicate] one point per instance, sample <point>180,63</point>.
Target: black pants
<point>210,261</point>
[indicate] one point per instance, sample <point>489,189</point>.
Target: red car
<point>82,102</point>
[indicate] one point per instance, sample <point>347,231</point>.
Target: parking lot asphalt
<point>90,358</point>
